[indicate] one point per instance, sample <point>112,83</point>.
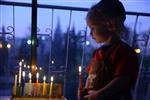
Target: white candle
<point>15,80</point>
<point>44,85</point>
<point>20,64</point>
<point>51,85</point>
<point>23,83</point>
<point>30,84</point>
<point>23,74</point>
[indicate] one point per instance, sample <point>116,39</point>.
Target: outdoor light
<point>87,42</point>
<point>36,68</point>
<point>29,42</point>
<point>40,68</point>
<point>43,38</point>
<point>138,51</point>
<point>53,62</point>
<point>1,45</point>
<point>8,45</point>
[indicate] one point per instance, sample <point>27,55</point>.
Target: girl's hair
<point>109,14</point>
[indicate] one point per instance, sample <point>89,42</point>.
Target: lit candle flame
<point>22,60</point>
<point>52,78</point>
<point>44,78</point>
<point>28,67</point>
<point>37,75</point>
<point>30,75</point>
<point>20,63</point>
<point>25,65</point>
<point>23,73</point>
<point>80,69</point>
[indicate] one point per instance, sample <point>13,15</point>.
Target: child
<point>115,64</point>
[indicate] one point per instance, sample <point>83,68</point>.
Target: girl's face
<point>98,32</point>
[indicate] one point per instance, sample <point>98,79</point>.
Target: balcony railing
<point>71,9</point>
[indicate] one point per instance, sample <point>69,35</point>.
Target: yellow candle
<point>51,85</point>
<point>44,86</point>
<point>15,85</point>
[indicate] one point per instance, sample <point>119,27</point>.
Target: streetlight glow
<point>53,62</point>
<point>29,42</point>
<point>40,68</point>
<point>138,51</point>
<point>87,42</point>
<point>8,46</point>
<point>1,45</point>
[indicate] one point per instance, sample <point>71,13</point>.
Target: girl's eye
<point>92,28</point>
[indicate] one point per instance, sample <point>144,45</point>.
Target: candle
<point>23,83</point>
<point>51,85</point>
<point>80,77</point>
<point>37,83</point>
<point>15,85</point>
<point>30,84</point>
<point>44,85</point>
<point>20,64</point>
<point>19,80</point>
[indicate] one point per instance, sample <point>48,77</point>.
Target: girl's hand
<point>92,95</point>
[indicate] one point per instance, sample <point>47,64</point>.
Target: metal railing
<point>137,14</point>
